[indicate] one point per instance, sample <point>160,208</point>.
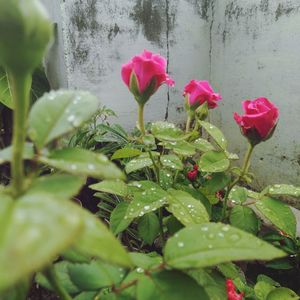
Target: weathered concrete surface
<point>256,52</point>
<point>102,35</point>
<point>55,61</point>
<point>246,48</point>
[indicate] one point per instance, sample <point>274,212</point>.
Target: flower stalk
<point>141,119</point>
<point>244,171</point>
<point>20,86</point>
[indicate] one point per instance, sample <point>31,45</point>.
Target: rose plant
<point>184,223</point>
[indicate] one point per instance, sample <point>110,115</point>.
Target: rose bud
<point>231,292</point>
<point>259,120</point>
<point>144,74</point>
<point>198,93</point>
<point>25,32</point>
<point>192,175</point>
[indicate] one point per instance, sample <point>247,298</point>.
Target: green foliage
<point>214,162</point>
<point>244,218</point>
<point>148,227</point>
<point>164,235</point>
<point>209,244</point>
<point>186,209</point>
<point>58,113</point>
<point>82,162</point>
<point>279,214</point>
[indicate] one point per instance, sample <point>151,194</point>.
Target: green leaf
<point>262,289</point>
<point>238,195</point>
<point>148,227</point>
<point>169,285</point>
<point>165,179</point>
<point>181,148</point>
<point>146,261</point>
<point>244,218</point>
<point>212,282</point>
<point>267,279</point>
<point>75,257</point>
<point>172,224</point>
<point>94,276</point>
<point>279,213</point>
<point>215,133</point>
<point>203,145</point>
<point>197,194</point>
<point>138,163</point>
<point>165,131</point>
<point>206,245</point>
<point>282,293</point>
<point>6,209</point>
<point>230,270</point>
<point>86,296</point>
<point>152,198</point>
<point>171,161</point>
<point>18,291</point>
<point>40,228</point>
<point>59,185</point>
<point>283,190</point>
<point>217,183</point>
<point>61,271</point>
<point>126,153</point>
<point>149,141</point>
<point>97,241</point>
<point>6,153</point>
<point>58,113</point>
<point>280,264</point>
<point>5,91</point>
<point>214,162</point>
<point>118,222</point>
<point>83,162</point>
<point>116,187</point>
<point>186,209</point>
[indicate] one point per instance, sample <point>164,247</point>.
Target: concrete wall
<point>256,52</point>
<point>99,36</point>
<point>246,48</point>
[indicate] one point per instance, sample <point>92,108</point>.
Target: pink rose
<point>259,120</point>
<point>144,74</point>
<point>199,92</point>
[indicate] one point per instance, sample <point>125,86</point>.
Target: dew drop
<point>146,207</point>
<point>140,270</point>
<point>225,228</point>
<point>73,167</point>
<point>91,167</point>
<point>234,237</point>
<point>211,236</point>
<point>180,244</point>
<point>204,228</point>
<point>71,118</point>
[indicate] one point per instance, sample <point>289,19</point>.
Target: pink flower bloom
<point>199,92</point>
<point>259,120</point>
<point>231,293</point>
<point>150,73</point>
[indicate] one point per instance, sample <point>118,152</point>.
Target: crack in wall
<point>168,57</point>
<point>212,6</point>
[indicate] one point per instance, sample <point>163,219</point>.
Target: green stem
<point>244,171</point>
<point>141,119</point>
<point>156,168</point>
<point>160,212</point>
<point>59,289</point>
<point>188,123</point>
<point>20,88</point>
<point>161,226</point>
